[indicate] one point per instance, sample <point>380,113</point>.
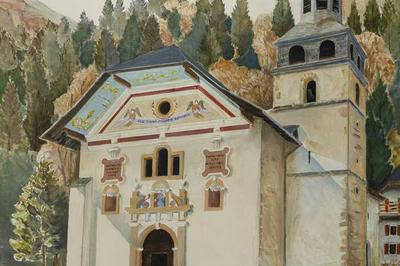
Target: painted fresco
<point>100,103</point>
<point>154,76</point>
<point>140,112</point>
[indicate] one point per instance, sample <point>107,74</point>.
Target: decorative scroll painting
<point>155,76</point>
<point>92,111</point>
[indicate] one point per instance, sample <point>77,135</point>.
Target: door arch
<point>158,249</point>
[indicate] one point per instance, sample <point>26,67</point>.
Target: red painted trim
<point>149,93</point>
<point>235,127</point>
<point>212,98</point>
<point>138,138</point>
<point>99,142</point>
<point>190,132</point>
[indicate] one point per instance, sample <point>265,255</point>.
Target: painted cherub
<point>130,115</point>
<point>197,107</point>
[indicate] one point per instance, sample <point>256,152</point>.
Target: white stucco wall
<point>373,228</point>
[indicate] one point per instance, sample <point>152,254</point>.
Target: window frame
<point>117,199</point>
<point>306,92</point>
<point>221,196</point>
<point>358,95</point>
<point>330,56</point>
<point>154,157</point>
<point>291,61</point>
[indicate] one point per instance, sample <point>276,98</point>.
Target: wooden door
<point>157,249</point>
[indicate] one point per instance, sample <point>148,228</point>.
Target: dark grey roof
<point>391,181</point>
<point>323,23</point>
<point>171,55</point>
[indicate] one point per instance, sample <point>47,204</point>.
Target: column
<point>181,245</point>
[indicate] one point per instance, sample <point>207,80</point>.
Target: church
<point>176,170</point>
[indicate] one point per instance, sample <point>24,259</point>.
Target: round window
<point>164,107</point>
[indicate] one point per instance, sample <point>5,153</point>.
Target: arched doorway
<point>157,249</point>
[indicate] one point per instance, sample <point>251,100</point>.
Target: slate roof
<point>168,56</point>
<point>323,23</point>
<point>391,181</point>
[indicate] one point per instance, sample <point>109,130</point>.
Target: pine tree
<point>389,15</point>
<point>379,122</point>
<point>69,63</point>
<point>129,45</point>
<point>10,118</point>
<point>40,218</point>
<point>63,31</point>
<point>354,20</point>
<point>107,20</point>
<point>174,20</point>
<point>203,6</point>
<point>151,36</point>
<point>82,42</point>
<point>242,27</point>
<point>39,107</point>
<point>106,53</point>
<point>119,20</point>
<point>51,51</point>
<point>372,17</point>
<point>8,52</point>
<point>140,8</point>
<point>218,23</point>
<point>210,50</point>
<point>282,20</point>
<point>192,43</point>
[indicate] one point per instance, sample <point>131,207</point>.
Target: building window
<point>110,201</point>
<point>327,49</point>
<point>306,6</point>
<point>392,249</point>
<point>214,195</point>
<point>322,4</point>
<point>311,92</point>
<point>393,230</point>
<point>336,6</point>
<point>163,163</point>
<point>357,94</point>
<point>296,55</point>
<point>352,52</point>
<point>359,63</point>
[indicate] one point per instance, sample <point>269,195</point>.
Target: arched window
<point>322,4</point>
<point>162,163</point>
<point>214,196</point>
<point>336,6</point>
<point>327,49</point>
<point>357,94</point>
<point>351,52</point>
<point>296,55</point>
<point>306,6</point>
<point>311,92</point>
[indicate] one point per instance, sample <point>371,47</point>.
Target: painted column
<point>181,245</point>
<point>134,254</point>
<point>76,223</point>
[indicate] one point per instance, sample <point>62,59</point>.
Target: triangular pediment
<point>170,106</point>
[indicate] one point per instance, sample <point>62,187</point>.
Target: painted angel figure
<point>130,116</point>
<point>197,107</point>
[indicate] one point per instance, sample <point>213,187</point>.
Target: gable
<point>190,104</point>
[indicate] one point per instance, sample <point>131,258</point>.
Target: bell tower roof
<point>313,9</point>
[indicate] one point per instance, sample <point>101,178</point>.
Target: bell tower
<point>320,90</point>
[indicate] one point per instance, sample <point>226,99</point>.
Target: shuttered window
<point>214,199</point>
<point>386,249</point>
<point>387,230</point>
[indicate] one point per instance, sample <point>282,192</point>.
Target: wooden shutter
<point>387,230</point>
<point>110,204</point>
<point>398,229</point>
<point>386,248</point>
<point>398,249</point>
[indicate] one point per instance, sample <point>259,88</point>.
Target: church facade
<point>177,170</point>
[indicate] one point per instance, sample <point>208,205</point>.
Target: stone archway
<point>158,249</point>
